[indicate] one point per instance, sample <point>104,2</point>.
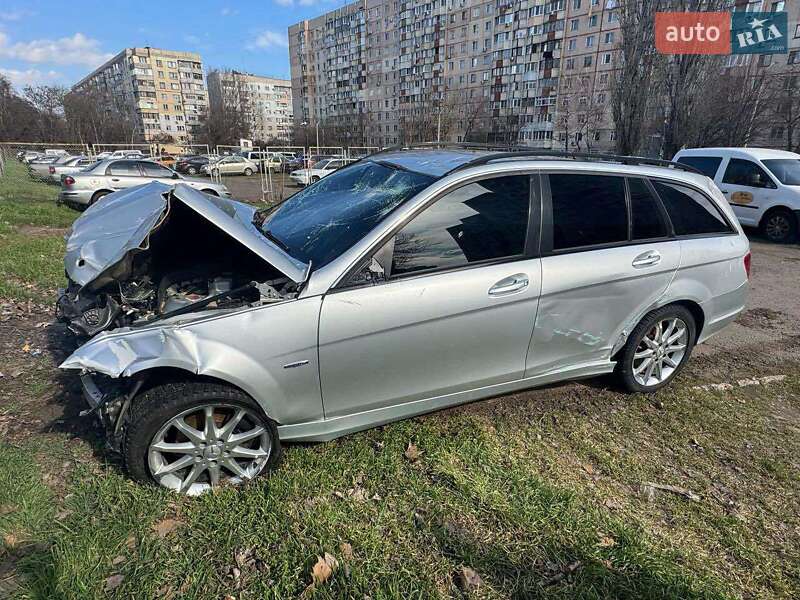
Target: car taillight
<point>51,169</point>
<point>747,264</point>
<point>68,180</point>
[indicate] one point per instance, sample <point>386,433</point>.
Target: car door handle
<point>509,285</point>
<point>724,191</point>
<point>114,179</point>
<point>647,259</point>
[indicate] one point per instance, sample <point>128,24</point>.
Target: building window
<point>797,31</point>
<point>778,6</point>
<point>607,58</point>
<point>576,4</point>
<point>574,25</point>
<point>589,41</point>
<point>794,57</point>
<point>587,61</point>
<point>764,60</point>
<point>573,43</point>
<point>776,133</point>
<point>593,21</point>
<point>610,37</point>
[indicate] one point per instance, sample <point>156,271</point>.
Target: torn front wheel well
<point>158,376</point>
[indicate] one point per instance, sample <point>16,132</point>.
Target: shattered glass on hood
<point>319,223</point>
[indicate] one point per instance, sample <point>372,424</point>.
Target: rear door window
<point>691,212</point>
<point>707,165</point>
<point>647,222</point>
<point>747,173</point>
<point>588,210</point>
<point>152,169</point>
<point>124,168</point>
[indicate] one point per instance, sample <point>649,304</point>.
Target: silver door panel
<point>589,298</point>
<point>425,336</point>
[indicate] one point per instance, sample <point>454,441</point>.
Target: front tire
<point>191,171</point>
<point>192,436</point>
<point>657,349</point>
<point>779,226</point>
<point>248,172</point>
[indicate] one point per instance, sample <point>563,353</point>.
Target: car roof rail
<point>518,153</point>
<point>509,152</point>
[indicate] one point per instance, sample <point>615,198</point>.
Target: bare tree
<point>93,117</point>
<point>229,117</point>
<point>18,118</point>
<point>785,106</point>
<point>637,76</point>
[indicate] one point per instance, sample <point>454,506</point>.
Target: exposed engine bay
<point>186,265</point>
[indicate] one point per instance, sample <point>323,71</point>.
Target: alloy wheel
<point>777,227</point>
<point>660,352</point>
<point>206,445</point>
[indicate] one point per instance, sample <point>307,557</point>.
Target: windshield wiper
<point>276,240</point>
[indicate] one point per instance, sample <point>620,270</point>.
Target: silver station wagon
<point>404,283</point>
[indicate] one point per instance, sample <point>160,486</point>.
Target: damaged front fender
<point>248,349</point>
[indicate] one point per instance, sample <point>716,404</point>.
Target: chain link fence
<point>270,182</point>
<point>39,161</point>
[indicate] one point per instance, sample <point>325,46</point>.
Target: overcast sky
<point>60,41</point>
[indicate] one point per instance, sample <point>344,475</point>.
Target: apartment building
<point>535,72</point>
<point>265,101</point>
<point>459,70</point>
<point>162,90</point>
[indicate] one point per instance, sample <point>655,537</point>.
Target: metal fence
<point>270,184</point>
<point>34,160</point>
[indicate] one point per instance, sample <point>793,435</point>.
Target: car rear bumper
<point>75,197</point>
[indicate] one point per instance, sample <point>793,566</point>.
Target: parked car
<point>167,160</point>
<point>39,168</point>
<point>191,164</point>
<point>405,283</point>
<point>26,156</point>
<point>762,186</point>
<point>318,170</point>
<point>108,176</point>
<point>230,165</point>
<point>75,164</point>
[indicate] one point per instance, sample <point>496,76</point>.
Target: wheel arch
<point>102,191</point>
<point>775,208</point>
<point>692,306</point>
<point>156,376</point>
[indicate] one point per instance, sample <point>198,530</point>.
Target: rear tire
<point>779,226</point>
<point>150,428</point>
<point>314,179</point>
<point>657,341</point>
<point>97,196</point>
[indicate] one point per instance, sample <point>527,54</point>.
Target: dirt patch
<point>762,318</point>
<point>35,396</point>
<point>35,231</point>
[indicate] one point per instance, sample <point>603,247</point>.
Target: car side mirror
<point>371,273</point>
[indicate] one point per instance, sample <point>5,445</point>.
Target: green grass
<point>31,235</point>
<point>517,495</point>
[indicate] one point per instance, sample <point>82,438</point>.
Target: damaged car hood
<point>109,230</point>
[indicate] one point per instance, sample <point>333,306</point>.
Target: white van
<point>762,186</point>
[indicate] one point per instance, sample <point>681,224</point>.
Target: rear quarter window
<point>707,165</point>
<point>691,212</point>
